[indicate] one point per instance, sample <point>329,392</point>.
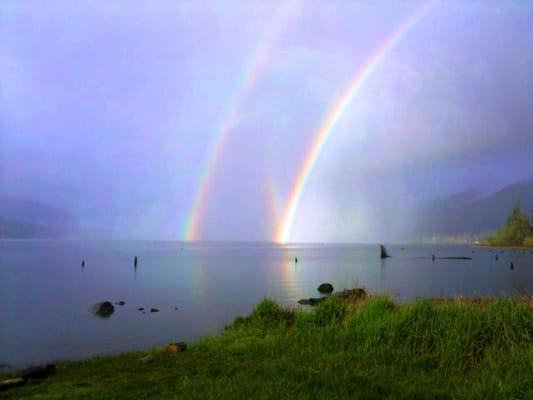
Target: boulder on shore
<point>146,359</point>
<point>38,372</point>
<point>10,383</point>
<point>103,309</point>
<point>356,293</point>
<point>173,348</point>
<point>325,288</point>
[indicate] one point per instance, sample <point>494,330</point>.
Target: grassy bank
<point>370,349</point>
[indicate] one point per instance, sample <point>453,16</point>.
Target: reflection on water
<point>45,296</point>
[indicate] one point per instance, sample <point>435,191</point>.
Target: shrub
<point>330,311</point>
<point>269,314</point>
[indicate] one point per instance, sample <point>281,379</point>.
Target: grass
<point>369,349</point>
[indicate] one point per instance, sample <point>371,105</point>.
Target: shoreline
<point>478,301</point>
<point>505,247</point>
<point>273,343</point>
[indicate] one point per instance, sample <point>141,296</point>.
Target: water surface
<point>46,296</point>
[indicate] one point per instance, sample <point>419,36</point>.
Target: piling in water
<point>384,253</point>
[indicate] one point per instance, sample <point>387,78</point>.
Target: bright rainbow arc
<point>334,114</point>
<point>253,73</point>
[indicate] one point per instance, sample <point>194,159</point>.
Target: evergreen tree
<point>518,230</point>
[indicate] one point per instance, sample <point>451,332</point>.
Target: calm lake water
<point>46,297</point>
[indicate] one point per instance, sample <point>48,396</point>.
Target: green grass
<point>371,349</point>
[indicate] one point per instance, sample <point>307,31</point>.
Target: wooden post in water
<point>384,253</point>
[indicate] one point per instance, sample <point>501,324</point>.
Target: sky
<point>193,119</point>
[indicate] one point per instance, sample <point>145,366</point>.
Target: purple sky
<point>107,109</point>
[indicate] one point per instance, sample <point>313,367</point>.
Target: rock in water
<point>313,301</point>
<point>38,372</point>
<point>9,383</point>
<point>384,253</point>
<point>316,300</point>
<point>173,348</point>
<point>120,303</point>
<point>153,309</point>
<point>325,288</point>
<point>104,309</point>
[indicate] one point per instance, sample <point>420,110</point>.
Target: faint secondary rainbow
<point>258,64</point>
<point>282,234</point>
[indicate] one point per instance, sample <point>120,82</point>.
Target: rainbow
<point>255,69</point>
<point>282,234</point>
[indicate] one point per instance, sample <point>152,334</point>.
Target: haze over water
<point>45,307</point>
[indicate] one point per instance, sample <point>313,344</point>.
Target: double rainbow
<point>335,112</point>
<point>254,71</point>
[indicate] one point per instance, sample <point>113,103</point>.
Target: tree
<point>515,232</point>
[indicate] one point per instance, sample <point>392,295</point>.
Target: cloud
<point>108,110</point>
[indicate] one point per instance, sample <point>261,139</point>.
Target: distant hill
<point>26,230</point>
<point>25,210</point>
<point>467,214</point>
<point>23,218</point>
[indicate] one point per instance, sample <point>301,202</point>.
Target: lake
<point>46,296</point>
